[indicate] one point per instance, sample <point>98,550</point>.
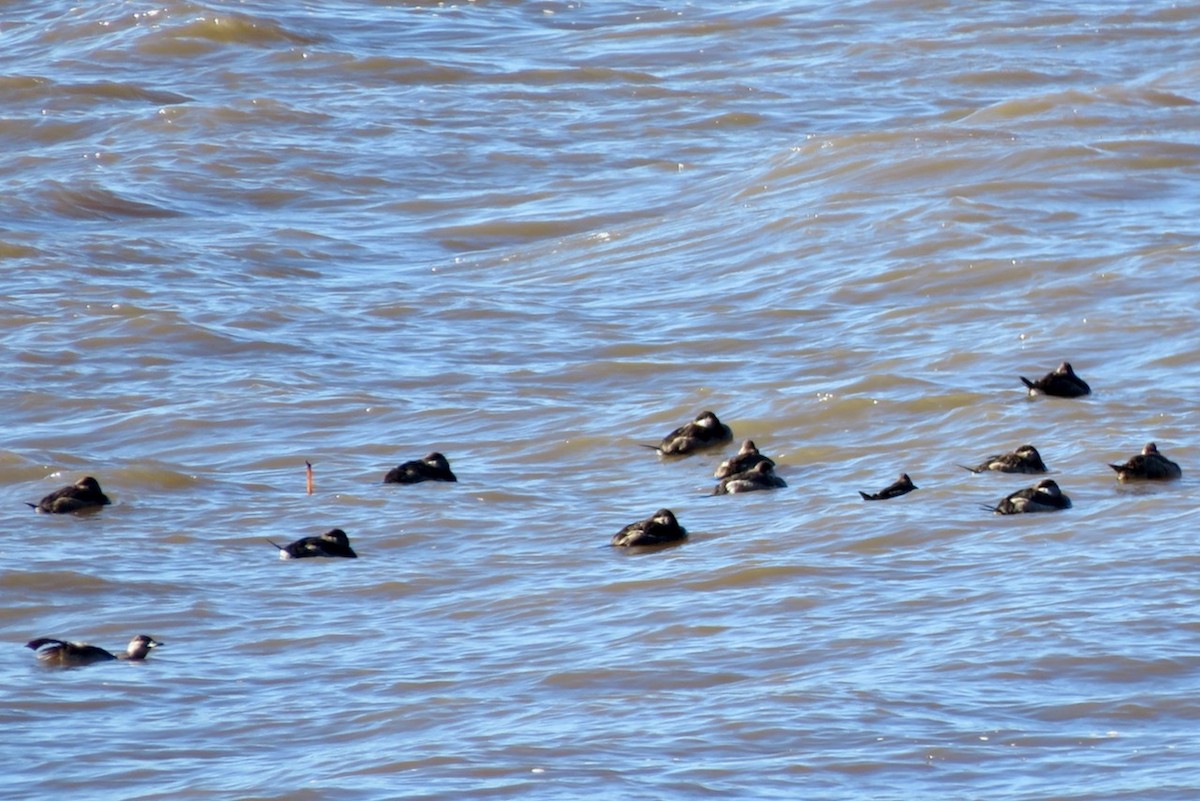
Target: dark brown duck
<point>661,528</point>
<point>1045,496</point>
<point>706,431</point>
<point>901,486</point>
<point>83,494</point>
<point>1149,465</point>
<point>1024,459</point>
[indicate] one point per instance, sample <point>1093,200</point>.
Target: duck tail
<point>974,470</point>
<point>867,497</point>
<point>38,643</point>
<point>1026,381</point>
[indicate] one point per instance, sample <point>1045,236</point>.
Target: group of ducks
<point>749,470</point>
<point>335,542</point>
<point>86,494</point>
<point>1046,496</point>
<point>746,471</point>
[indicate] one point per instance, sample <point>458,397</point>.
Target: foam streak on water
<point>535,236</point>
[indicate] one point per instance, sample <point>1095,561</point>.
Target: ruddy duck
<point>1061,382</point>
<point>83,494</point>
<point>760,477</point>
<point>1045,496</point>
<point>901,486</point>
<point>745,459</point>
<point>433,467</point>
<point>661,528</point>
<point>706,431</point>
<point>1024,459</point>
<point>1149,465</point>
<point>76,654</point>
<point>332,543</point>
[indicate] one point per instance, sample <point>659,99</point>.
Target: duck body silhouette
<point>1045,496</point>
<point>661,528</point>
<point>83,494</point>
<point>433,467</point>
<point>1024,459</point>
<point>745,459</point>
<point>901,486</point>
<point>1061,382</point>
<point>760,477</point>
<point>333,543</point>
<point>1149,465</point>
<point>61,653</point>
<point>706,431</point>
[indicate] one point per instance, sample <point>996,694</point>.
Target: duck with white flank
<point>760,477</point>
<point>1149,465</point>
<point>332,543</point>
<point>1045,496</point>
<point>661,528</point>
<point>1024,459</point>
<point>60,653</point>
<point>745,459</point>
<point>1061,382</point>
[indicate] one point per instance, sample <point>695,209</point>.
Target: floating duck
<point>1061,382</point>
<point>706,431</point>
<point>83,494</point>
<point>1149,465</point>
<point>760,477</point>
<point>901,486</point>
<point>746,458</point>
<point>60,653</point>
<point>1024,459</point>
<point>661,528</point>
<point>434,467</point>
<point>332,543</point>
<point>1045,496</point>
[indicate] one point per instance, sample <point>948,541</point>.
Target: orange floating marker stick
<point>308,476</point>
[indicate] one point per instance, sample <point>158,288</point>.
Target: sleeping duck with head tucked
<point>1061,382</point>
<point>747,457</point>
<point>1149,465</point>
<point>1044,496</point>
<point>706,431</point>
<point>432,467</point>
<point>760,477</point>
<point>334,542</point>
<point>82,495</point>
<point>1024,459</point>
<point>661,528</point>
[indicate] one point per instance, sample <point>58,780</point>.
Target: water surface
<point>535,236</point>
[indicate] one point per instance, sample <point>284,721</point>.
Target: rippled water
<point>535,236</point>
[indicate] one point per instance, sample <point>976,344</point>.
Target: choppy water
<point>533,236</point>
